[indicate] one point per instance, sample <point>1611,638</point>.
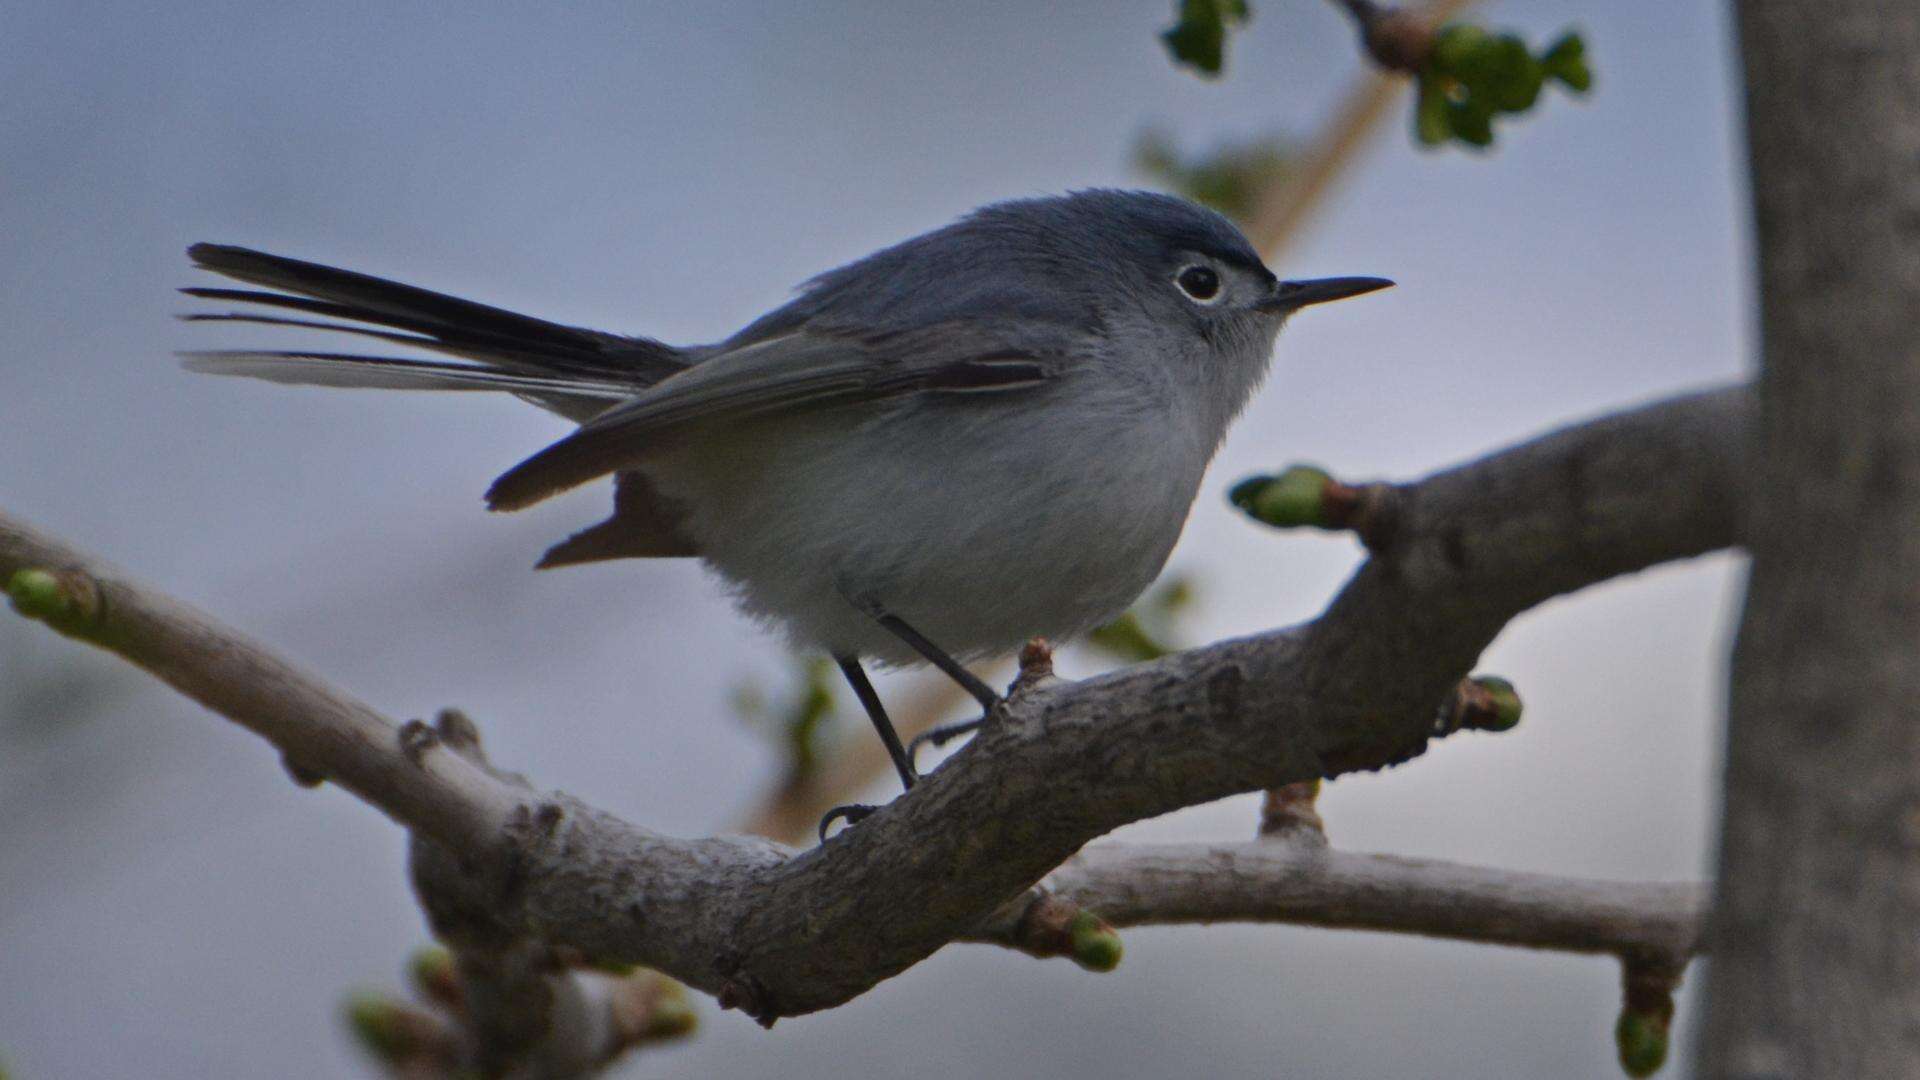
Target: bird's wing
<point>808,366</point>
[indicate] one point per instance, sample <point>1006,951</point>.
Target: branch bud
<point>1646,1015</point>
<point>67,600</point>
<point>672,1016</point>
<point>1288,813</point>
<point>434,974</point>
<point>1482,703</point>
<point>1092,943</point>
<point>1642,1041</point>
<point>1499,708</point>
<point>1297,497</point>
<point>1051,926</point>
<point>385,1028</point>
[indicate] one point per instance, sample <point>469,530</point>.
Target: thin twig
<point>1303,884</point>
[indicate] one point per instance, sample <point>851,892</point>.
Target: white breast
<point>982,521</point>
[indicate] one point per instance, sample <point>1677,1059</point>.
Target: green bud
<point>1506,702</point>
<point>378,1026</point>
<point>672,1016</point>
<point>1294,498</point>
<point>1242,494</point>
<point>1094,945</point>
<point>431,967</point>
<point>37,594</point>
<point>1642,1041</point>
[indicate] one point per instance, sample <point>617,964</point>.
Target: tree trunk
<point>1816,937</point>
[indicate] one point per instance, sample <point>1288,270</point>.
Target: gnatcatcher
<point>984,434</point>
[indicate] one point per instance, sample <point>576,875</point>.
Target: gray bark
<point>1816,943</point>
<point>1271,880</point>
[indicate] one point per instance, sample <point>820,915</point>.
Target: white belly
<point>985,524</point>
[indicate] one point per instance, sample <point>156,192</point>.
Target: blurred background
<point>171,905</point>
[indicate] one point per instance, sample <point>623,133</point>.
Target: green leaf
<point>1198,37</point>
<point>1513,80</point>
<point>1567,62</point>
<point>1453,45</point>
<point>1473,76</point>
<point>1472,121</point>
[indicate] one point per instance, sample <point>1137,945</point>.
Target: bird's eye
<point>1199,283</point>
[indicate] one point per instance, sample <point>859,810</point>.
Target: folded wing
<point>794,370</point>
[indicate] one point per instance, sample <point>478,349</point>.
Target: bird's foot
<point>942,735</point>
<point>852,813</point>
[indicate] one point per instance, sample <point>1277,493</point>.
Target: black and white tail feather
<point>575,372</point>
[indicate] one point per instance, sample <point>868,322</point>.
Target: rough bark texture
<point>1817,925</point>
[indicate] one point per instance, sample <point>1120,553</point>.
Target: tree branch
<point>1398,39</point>
<point>780,933</point>
<point>1282,881</point>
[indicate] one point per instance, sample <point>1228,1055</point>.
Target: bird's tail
<point>574,371</point>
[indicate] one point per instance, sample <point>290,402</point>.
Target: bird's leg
<point>876,712</point>
<point>971,683</point>
<point>938,657</point>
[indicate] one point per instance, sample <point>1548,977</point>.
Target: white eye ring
<point>1200,283</point>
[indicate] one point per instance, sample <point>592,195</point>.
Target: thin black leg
<point>938,657</point>
<point>876,712</point>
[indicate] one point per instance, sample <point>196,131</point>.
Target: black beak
<point>1294,295</point>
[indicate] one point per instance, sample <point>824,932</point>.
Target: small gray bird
<point>987,433</point>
